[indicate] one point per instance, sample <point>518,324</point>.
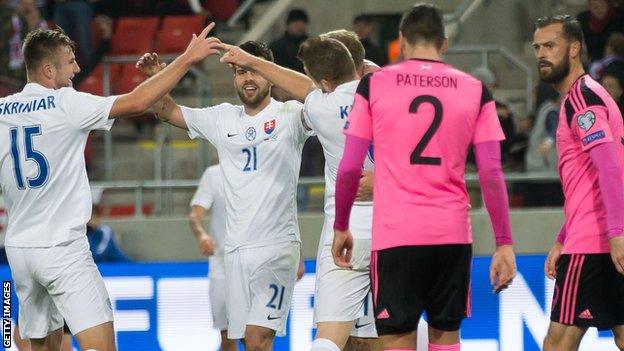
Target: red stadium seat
<point>221,9</point>
<point>130,77</point>
<point>134,35</point>
<point>125,210</point>
<point>176,32</point>
<point>93,84</point>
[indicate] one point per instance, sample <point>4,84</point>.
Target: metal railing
<point>203,97</point>
<point>485,50</point>
<point>138,188</point>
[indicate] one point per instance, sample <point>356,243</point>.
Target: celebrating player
<point>43,131</point>
<point>422,116</point>
<point>341,296</point>
<point>210,196</point>
<point>589,250</point>
<point>259,146</point>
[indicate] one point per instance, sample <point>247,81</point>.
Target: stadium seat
<point>93,84</point>
<point>130,77</point>
<point>176,32</point>
<point>134,35</point>
<point>221,9</point>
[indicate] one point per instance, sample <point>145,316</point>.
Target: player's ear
<point>47,69</point>
<point>326,86</point>
<point>444,47</point>
<point>575,49</point>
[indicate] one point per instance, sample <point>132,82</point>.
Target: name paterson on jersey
<point>424,81</point>
<point>11,108</point>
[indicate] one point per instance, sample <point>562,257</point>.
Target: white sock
<point>324,345</point>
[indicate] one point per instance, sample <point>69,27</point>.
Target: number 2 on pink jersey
<point>416,157</point>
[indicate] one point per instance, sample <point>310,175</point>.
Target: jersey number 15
<point>31,155</point>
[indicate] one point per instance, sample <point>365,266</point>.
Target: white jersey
<point>210,195</point>
<point>259,158</point>
<point>43,133</point>
<point>326,114</point>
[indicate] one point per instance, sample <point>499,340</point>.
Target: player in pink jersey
<point>589,250</point>
<point>422,116</point>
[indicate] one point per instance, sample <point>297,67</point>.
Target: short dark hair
<point>41,44</point>
<point>423,23</point>
<point>258,48</point>
<point>368,19</point>
<point>326,58</point>
<point>572,30</point>
<point>351,40</point>
<point>295,15</point>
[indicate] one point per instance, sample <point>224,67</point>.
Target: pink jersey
<point>422,117</point>
<point>588,117</point>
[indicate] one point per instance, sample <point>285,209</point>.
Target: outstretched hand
<point>235,56</point>
<point>149,64</point>
<point>202,46</point>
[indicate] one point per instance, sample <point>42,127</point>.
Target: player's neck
<point>422,52</point>
<point>564,86</point>
<point>43,82</point>
<point>252,111</point>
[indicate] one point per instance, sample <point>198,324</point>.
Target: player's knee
<point>361,344</point>
<point>445,326</point>
<point>257,342</point>
<point>553,344</point>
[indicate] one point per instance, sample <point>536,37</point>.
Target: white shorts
<point>260,283</point>
<point>217,293</point>
<point>55,284</point>
<point>343,295</point>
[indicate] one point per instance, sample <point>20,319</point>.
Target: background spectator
<point>614,53</point>
<point>541,154</point>
<point>102,241</point>
<point>27,17</point>
<point>285,49</point>
<point>598,22</point>
<point>512,156</point>
<point>75,17</point>
<point>105,26</point>
<point>364,26</point>
<point>613,81</point>
<point>5,34</point>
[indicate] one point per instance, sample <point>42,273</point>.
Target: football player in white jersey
<point>259,144</point>
<point>43,131</point>
<point>342,297</point>
<point>210,195</point>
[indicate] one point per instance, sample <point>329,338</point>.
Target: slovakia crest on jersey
<point>269,126</point>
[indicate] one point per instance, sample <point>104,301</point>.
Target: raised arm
<point>294,83</point>
<point>166,109</point>
<point>153,89</point>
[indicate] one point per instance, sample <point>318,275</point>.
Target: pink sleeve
<point>604,158</point>
<point>487,127</point>
<point>348,179</point>
<point>592,126</point>
<point>360,120</point>
<point>494,190</point>
<point>562,234</point>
